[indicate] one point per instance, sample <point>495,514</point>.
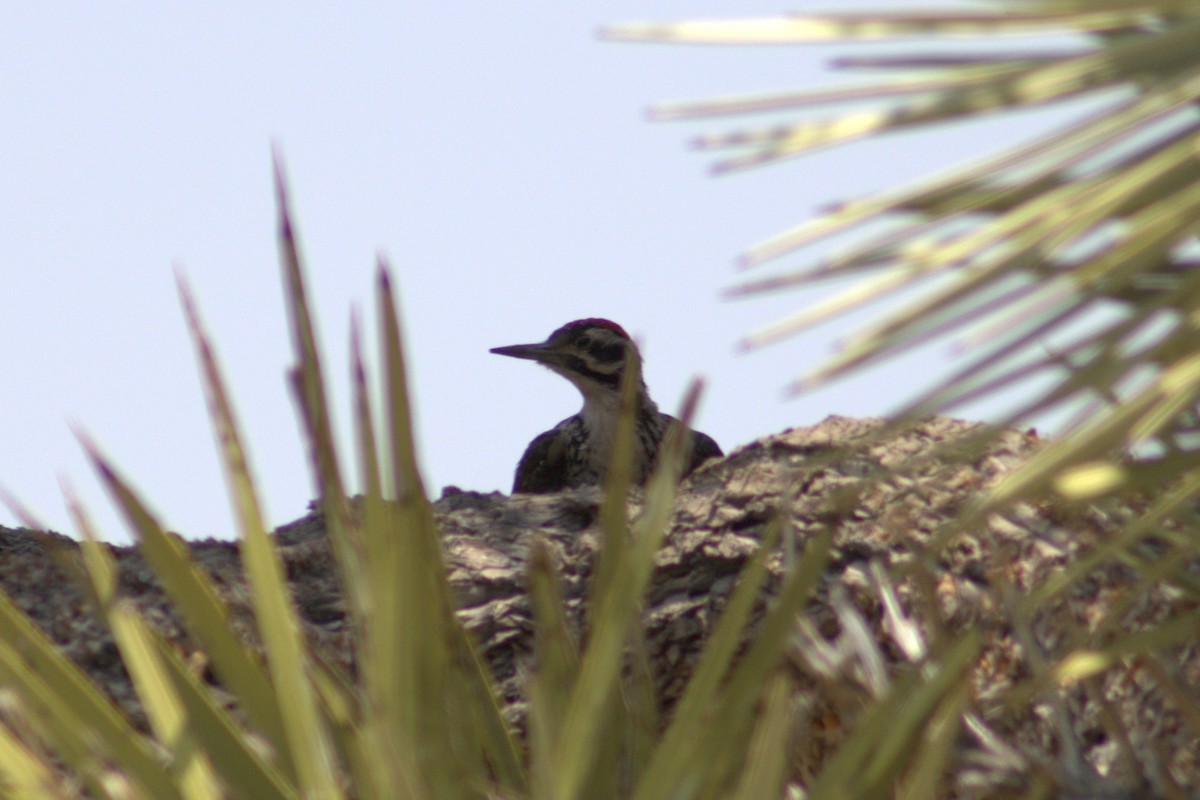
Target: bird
<point>593,354</point>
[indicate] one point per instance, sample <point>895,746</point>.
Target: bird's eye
<point>612,353</point>
<point>584,342</point>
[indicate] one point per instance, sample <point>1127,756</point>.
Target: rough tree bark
<point>883,496</point>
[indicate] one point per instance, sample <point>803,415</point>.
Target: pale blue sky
<point>498,153</point>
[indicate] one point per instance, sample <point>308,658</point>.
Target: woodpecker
<point>593,354</point>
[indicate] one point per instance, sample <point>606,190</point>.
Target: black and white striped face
<point>591,353</point>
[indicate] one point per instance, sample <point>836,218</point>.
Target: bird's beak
<point>540,352</point>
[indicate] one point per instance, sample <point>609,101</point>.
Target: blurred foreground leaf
<point>1080,242</point>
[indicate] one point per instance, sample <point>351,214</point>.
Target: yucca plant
<point>1096,213</point>
<point>1071,256</point>
<point>1097,216</point>
<point>421,718</point>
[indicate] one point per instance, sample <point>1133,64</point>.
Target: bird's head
<point>592,353</point>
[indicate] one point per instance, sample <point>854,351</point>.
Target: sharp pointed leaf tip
<point>277,162</point>
<point>281,196</point>
<point>74,505</point>
<point>107,474</point>
<point>613,32</point>
<point>691,399</point>
<point>20,510</point>
<point>385,278</point>
<point>187,300</point>
<point>184,290</point>
<point>796,388</point>
<point>84,438</point>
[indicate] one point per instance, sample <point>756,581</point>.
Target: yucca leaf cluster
<point>1099,215</point>
<point>420,717</point>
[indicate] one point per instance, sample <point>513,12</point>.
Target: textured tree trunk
<point>885,598</point>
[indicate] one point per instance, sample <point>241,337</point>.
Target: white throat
<point>600,413</point>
